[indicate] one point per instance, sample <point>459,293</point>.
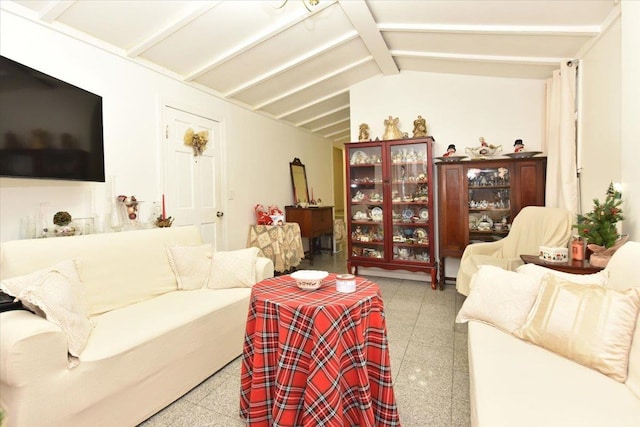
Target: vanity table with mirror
<point>299,183</point>
<point>315,221</point>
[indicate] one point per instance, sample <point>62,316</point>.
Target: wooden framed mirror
<point>299,182</point>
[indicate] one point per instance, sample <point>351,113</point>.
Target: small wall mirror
<point>299,182</point>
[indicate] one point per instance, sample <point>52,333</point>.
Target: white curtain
<point>560,138</point>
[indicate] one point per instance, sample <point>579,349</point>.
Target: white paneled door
<point>193,182</point>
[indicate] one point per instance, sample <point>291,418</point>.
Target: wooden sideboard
<point>314,223</point>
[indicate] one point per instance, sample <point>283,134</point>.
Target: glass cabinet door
<point>489,203</point>
<point>366,202</point>
<point>410,202</point>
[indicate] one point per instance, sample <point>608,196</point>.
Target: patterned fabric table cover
<point>281,243</point>
<point>316,358</point>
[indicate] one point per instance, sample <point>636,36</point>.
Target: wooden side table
<point>572,266</point>
<point>314,223</point>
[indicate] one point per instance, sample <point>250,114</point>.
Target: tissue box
<point>553,254</point>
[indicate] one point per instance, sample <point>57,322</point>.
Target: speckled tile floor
<point>428,359</point>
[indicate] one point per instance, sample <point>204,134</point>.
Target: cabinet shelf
<point>391,179</point>
<point>366,165</point>
<point>489,210</point>
<point>488,187</point>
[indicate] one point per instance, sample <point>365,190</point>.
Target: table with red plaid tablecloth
<point>316,358</point>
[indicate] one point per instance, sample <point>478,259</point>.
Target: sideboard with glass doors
<point>478,199</point>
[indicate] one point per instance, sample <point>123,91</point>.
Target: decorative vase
<point>64,230</point>
<point>601,255</point>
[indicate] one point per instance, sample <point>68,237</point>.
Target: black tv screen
<point>48,128</point>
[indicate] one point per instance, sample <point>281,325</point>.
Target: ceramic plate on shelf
<point>424,214</point>
<point>376,214</point>
<point>420,233</point>
<point>473,222</point>
<point>359,157</point>
<point>523,154</point>
<point>407,214</point>
<point>450,159</point>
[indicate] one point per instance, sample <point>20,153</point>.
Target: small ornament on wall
<point>197,140</point>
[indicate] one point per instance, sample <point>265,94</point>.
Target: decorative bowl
<point>483,152</point>
<point>309,279</point>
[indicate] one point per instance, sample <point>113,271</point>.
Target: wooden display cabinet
<point>478,199</point>
<point>390,206</point>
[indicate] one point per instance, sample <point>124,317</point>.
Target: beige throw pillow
<point>588,324</point>
<point>191,265</point>
<point>233,269</point>
<point>57,294</point>
<point>499,297</point>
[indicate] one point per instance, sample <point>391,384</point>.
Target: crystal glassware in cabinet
<point>366,197</point>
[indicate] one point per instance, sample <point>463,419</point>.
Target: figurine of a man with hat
<point>518,146</point>
<point>451,150</point>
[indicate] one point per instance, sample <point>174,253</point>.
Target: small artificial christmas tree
<point>598,227</point>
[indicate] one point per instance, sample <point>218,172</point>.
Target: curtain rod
<point>572,61</point>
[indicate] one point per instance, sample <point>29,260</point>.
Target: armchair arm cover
<point>24,339</point>
<point>477,254</point>
<point>533,227</point>
<point>264,269</point>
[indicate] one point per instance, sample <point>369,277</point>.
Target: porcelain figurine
<point>391,130</point>
<point>419,127</point>
<point>518,146</point>
<point>484,150</point>
<point>451,151</point>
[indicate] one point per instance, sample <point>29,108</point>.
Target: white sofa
<point>151,343</point>
<point>516,383</point>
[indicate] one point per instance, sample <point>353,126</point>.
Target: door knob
<point>219,214</point>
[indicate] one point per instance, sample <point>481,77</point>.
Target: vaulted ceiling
<point>295,61</point>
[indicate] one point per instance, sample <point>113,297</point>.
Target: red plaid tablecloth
<point>316,358</point>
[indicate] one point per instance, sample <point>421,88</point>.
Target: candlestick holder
<point>162,223</point>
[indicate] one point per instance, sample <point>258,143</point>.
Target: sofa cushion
<point>57,294</point>
<point>153,318</point>
<point>117,269</point>
<point>516,383</point>
<point>499,297</point>
<point>233,269</point>
<point>589,324</point>
<point>191,265</point>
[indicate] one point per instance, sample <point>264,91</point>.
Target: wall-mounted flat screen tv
<point>48,128</point>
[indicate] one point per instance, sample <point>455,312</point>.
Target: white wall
<point>458,109</point>
<point>600,125</point>
<point>610,126</point>
<point>631,117</point>
<point>257,149</point>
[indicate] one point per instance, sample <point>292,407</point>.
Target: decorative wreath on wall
<point>196,140</point>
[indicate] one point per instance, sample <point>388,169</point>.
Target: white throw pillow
<point>57,294</point>
<point>538,272</point>
<point>499,297</point>
<point>233,269</point>
<point>191,265</point>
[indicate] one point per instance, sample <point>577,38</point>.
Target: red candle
<point>164,211</point>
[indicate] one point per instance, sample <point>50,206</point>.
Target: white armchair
<point>533,227</point>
